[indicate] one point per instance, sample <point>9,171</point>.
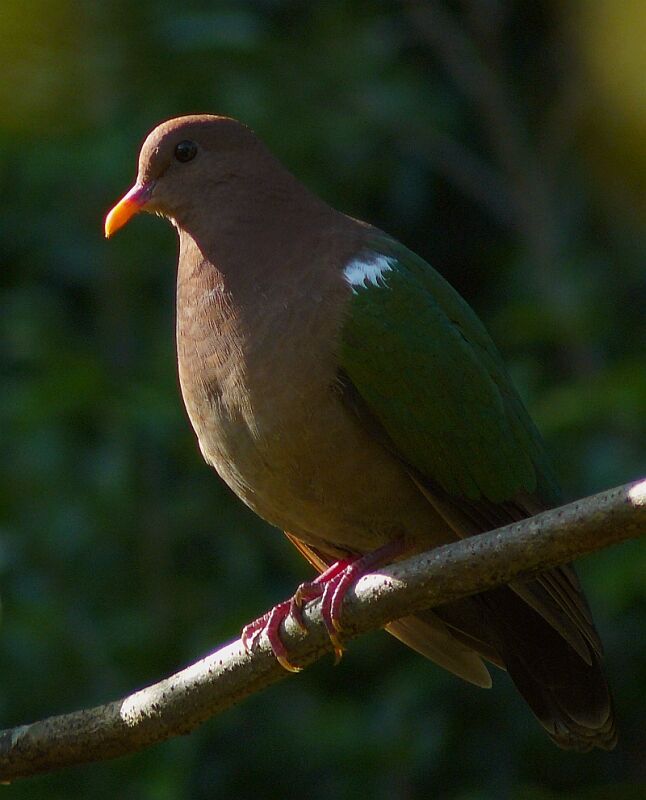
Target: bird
<point>351,397</point>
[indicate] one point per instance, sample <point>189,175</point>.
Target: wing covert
<point>426,368</point>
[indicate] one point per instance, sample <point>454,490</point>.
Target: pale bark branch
<point>183,701</point>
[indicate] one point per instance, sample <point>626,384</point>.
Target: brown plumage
<point>262,300</point>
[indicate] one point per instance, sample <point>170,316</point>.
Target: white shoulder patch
<point>366,269</point>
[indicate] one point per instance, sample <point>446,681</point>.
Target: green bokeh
<point>122,556</point>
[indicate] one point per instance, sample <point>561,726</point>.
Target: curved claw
<point>339,649</point>
<point>305,592</point>
<point>286,664</point>
<point>331,586</point>
<point>331,623</point>
<point>270,624</point>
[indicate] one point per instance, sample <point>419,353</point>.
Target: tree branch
<point>183,701</point>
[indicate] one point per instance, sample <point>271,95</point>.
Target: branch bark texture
<point>183,701</point>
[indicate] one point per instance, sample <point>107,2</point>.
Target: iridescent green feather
<point>429,372</point>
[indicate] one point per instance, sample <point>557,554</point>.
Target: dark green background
<point>504,141</point>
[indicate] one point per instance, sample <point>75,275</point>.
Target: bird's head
<point>180,160</point>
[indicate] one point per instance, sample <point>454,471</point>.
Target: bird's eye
<point>185,151</point>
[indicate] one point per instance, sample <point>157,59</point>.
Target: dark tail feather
<point>567,693</point>
<point>570,697</point>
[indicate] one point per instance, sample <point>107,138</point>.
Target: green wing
<point>422,373</point>
<point>427,370</point>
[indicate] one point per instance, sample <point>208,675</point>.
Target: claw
<point>336,601</point>
<point>331,586</point>
<point>297,615</point>
<point>331,623</point>
<point>285,664</point>
<point>270,624</point>
<point>305,592</point>
<point>339,649</point>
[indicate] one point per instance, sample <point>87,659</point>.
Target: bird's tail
<point>568,693</point>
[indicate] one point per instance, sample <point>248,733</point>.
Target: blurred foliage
<point>505,142</point>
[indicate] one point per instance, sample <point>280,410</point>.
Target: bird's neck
<point>258,313</point>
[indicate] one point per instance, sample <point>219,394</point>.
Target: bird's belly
<point>322,478</point>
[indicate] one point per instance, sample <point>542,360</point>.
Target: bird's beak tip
<point>129,205</point>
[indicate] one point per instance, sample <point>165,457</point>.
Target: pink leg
<point>351,574</point>
<point>312,590</point>
<point>332,586</point>
<point>270,624</point>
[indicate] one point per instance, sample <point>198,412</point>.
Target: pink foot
<point>270,624</point>
<point>331,586</point>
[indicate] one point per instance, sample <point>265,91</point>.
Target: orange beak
<point>129,205</point>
